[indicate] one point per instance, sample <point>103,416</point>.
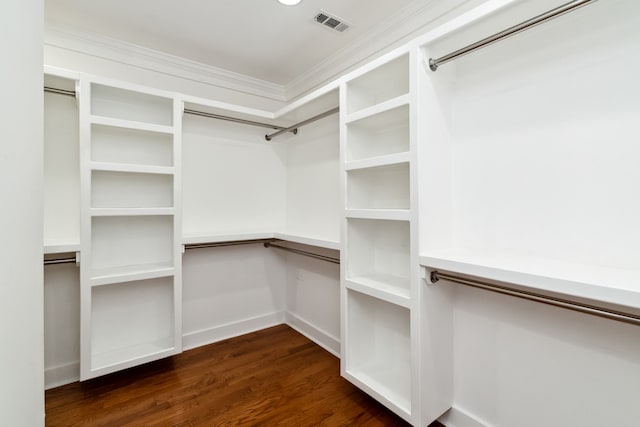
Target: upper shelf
<point>588,281</point>
<point>117,103</point>
<point>386,82</point>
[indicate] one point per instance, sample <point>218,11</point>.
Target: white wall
<point>313,296</point>
<point>525,364</point>
<point>21,358</point>
<point>544,138</point>
<point>61,324</point>
<point>61,170</point>
<point>233,180</point>
<point>229,291</point>
<point>313,181</point>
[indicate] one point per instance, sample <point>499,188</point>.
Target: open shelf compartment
<point>147,304</point>
<point>382,187</point>
<point>378,254</point>
<point>379,349</point>
<point>130,190</point>
<point>381,84</point>
<point>117,103</point>
<point>382,134</point>
<point>128,146</point>
<point>126,244</point>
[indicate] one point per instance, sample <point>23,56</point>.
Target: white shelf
<point>306,240</point>
<point>377,248</point>
<point>122,358</point>
<point>61,247</point>
<point>128,273</point>
<point>130,124</point>
<point>118,241</point>
<point>387,81</point>
<point>383,214</point>
<point>232,237</point>
<point>384,133</point>
<point>122,167</point>
<point>377,109</point>
<point>131,190</point>
<point>131,322</point>
<point>381,187</point>
<point>378,348</point>
<point>376,381</point>
<point>143,106</point>
<point>384,160</point>
<point>385,287</point>
<point>130,211</point>
<point>130,146</point>
<point>196,239</point>
<point>592,282</point>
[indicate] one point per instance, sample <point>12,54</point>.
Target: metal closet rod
<point>280,129</point>
<point>60,261</point>
<point>222,244</point>
<point>268,243</point>
<point>235,120</point>
<point>554,13</point>
<point>295,127</point>
<point>60,91</point>
<point>305,253</point>
<point>532,296</point>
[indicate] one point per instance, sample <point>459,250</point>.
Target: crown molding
<point>100,46</point>
<point>414,19</point>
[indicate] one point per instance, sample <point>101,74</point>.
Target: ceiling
<point>258,38</point>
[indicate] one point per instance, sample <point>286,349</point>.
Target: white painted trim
<point>317,335</point>
<point>457,417</point>
<point>56,376</point>
<point>127,53</point>
<point>230,330</point>
<point>413,19</point>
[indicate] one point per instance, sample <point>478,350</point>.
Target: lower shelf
<point>377,350</point>
<point>133,354</point>
<point>127,324</point>
<point>387,383</point>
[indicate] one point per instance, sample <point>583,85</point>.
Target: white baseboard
<point>318,336</point>
<point>230,330</point>
<point>65,374</point>
<point>457,417</point>
<point>56,376</point>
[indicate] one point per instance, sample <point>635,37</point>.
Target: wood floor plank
<point>273,377</point>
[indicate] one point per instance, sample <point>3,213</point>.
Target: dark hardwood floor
<point>273,377</point>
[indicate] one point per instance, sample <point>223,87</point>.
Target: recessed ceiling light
<point>289,2</point>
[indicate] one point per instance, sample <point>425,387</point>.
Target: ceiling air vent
<point>331,21</point>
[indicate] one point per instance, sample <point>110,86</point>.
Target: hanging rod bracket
<point>433,276</point>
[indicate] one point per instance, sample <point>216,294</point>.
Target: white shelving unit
<point>376,234</point>
<point>396,332</point>
<point>130,155</point>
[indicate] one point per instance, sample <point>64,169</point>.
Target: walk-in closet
<point>446,202</point>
